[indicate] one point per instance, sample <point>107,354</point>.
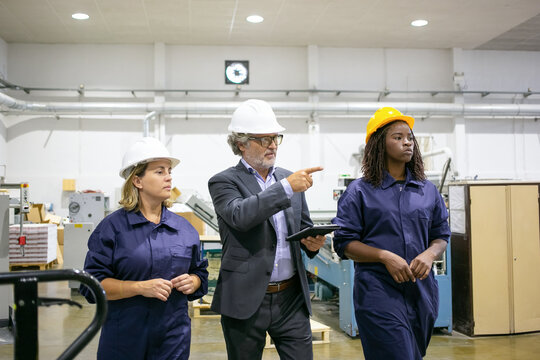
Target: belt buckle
<point>279,285</point>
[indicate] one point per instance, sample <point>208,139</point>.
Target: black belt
<point>278,286</point>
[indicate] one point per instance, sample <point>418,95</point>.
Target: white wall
<point>502,70</point>
<point>97,66</point>
<point>379,69</point>
<point>3,59</point>
<point>44,150</point>
<point>3,130</point>
<point>201,67</point>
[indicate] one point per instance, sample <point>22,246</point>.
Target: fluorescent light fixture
<point>255,19</point>
<point>80,16</point>
<point>419,23</point>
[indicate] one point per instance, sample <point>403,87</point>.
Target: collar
<point>388,180</point>
<point>136,218</point>
<point>254,172</point>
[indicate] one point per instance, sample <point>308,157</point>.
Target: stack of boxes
<point>44,239</point>
<point>40,248</point>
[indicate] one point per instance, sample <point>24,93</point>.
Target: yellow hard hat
<point>383,116</point>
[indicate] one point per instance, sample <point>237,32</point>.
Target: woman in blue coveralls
<point>393,225</point>
<point>147,260</point>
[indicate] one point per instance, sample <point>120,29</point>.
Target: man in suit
<point>262,284</point>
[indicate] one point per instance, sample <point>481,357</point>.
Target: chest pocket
<point>180,259</point>
<point>424,217</point>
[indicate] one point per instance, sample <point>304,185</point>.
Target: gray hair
<point>234,138</point>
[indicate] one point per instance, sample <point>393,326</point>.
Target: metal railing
<point>26,302</point>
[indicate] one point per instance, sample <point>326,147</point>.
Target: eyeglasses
<point>266,141</point>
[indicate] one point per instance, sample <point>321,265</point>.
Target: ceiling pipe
<point>413,108</point>
<point>444,150</point>
<point>146,123</point>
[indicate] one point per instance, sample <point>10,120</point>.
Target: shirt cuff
<point>287,187</point>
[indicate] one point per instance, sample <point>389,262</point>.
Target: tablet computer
<point>313,231</point>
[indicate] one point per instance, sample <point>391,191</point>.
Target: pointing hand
<point>301,180</point>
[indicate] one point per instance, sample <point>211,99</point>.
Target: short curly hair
<point>234,139</point>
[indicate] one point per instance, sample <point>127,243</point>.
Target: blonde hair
<point>130,194</point>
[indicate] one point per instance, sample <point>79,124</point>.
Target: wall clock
<point>236,72</point>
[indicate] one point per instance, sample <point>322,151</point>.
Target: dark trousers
<point>284,315</point>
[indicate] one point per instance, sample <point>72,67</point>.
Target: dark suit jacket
<point>248,237</point>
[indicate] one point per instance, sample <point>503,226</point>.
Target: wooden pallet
<point>317,329</point>
<point>30,266</point>
<point>203,310</point>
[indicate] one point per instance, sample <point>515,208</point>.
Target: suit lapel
<point>248,179</point>
<point>251,183</point>
<point>289,216</point>
<point>289,213</point>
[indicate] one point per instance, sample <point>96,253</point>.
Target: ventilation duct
<point>205,107</point>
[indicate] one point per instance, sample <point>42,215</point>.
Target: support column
<point>313,71</point>
<point>459,138</point>
<point>3,124</point>
<point>159,83</point>
<point>315,150</point>
<point>314,156</point>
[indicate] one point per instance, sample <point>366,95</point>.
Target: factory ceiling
<point>467,24</point>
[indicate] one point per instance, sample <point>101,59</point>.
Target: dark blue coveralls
<point>126,246</point>
<point>395,321</point>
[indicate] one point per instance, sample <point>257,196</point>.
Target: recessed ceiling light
<point>255,19</point>
<point>419,23</point>
<point>80,16</point>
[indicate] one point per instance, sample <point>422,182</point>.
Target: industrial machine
<point>327,266</point>
<point>20,290</point>
<point>8,206</point>
<point>5,292</point>
<point>75,246</point>
<point>87,207</point>
<point>203,211</point>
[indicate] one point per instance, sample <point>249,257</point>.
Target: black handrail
<point>68,274</point>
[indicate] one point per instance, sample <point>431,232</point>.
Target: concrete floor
<point>59,325</point>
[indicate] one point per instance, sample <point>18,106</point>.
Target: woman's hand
<point>186,283</point>
<point>397,267</point>
<point>421,265</point>
<point>155,288</point>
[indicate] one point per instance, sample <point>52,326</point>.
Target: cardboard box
<point>60,236</point>
<point>52,219</point>
<point>60,255</point>
<point>175,193</point>
<point>68,184</point>
<point>194,220</point>
<point>36,214</point>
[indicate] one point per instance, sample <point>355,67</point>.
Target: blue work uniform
<point>395,321</point>
<point>126,246</point>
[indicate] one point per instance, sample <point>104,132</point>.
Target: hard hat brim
<point>124,172</point>
<point>408,119</point>
<point>271,130</point>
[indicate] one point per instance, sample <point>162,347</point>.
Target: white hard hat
<point>145,150</point>
<point>254,117</point>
